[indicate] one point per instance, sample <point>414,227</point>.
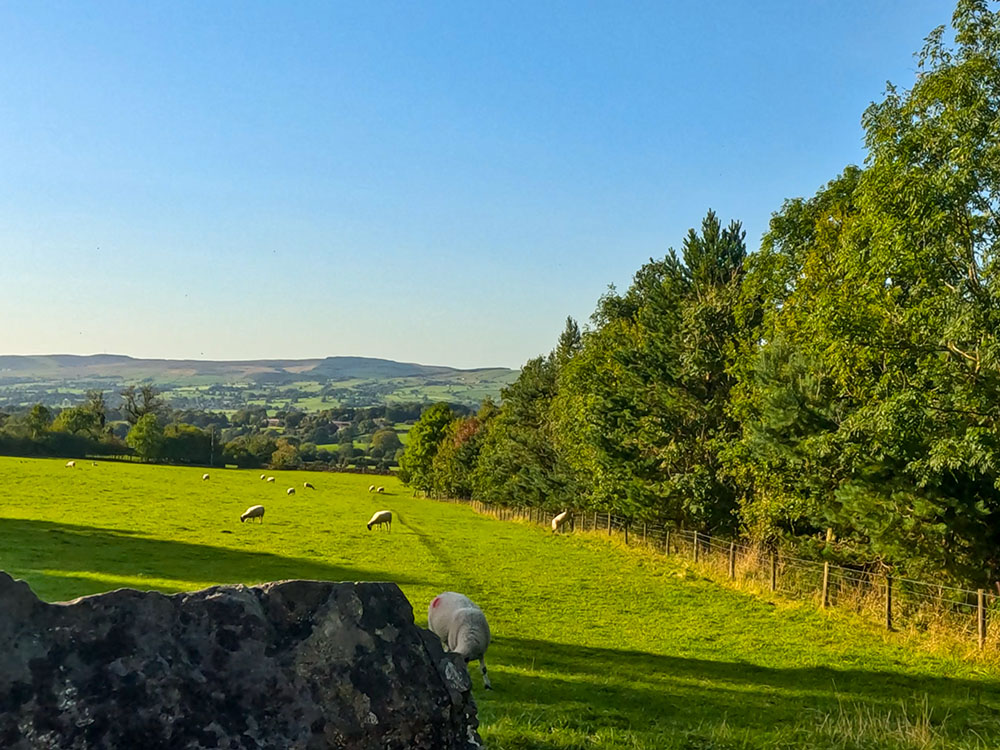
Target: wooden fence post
<point>981,617</point>
<point>774,570</point>
<point>609,523</point>
<point>888,602</point>
<point>826,584</point>
<point>626,532</point>
<point>666,542</point>
<point>572,523</point>
<point>595,520</point>
<point>643,532</point>
<point>696,546</point>
<point>732,561</point>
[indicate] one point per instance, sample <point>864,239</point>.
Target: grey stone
<point>291,664</point>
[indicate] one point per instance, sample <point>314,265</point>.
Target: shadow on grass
<point>587,689</point>
<point>88,559</point>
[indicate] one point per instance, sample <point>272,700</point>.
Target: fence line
<point>896,602</point>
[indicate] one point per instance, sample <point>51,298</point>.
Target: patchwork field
<point>596,646</point>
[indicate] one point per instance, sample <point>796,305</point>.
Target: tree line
<point>836,392</point>
<point>142,425</point>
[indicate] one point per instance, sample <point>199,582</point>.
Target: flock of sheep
<point>452,617</point>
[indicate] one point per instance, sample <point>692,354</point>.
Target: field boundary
<point>895,602</point>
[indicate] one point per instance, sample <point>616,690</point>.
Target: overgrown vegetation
<point>836,392</point>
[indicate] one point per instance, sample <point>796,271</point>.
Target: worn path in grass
<point>596,646</point>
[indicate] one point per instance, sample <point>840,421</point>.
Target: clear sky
<point>422,181</point>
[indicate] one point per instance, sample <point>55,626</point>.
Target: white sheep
<point>381,517</point>
<point>308,486</point>
<point>559,520</point>
<point>290,491</point>
<point>254,511</point>
<point>269,479</point>
<point>461,624</point>
<point>380,489</point>
<point>263,477</point>
<point>70,464</point>
<point>204,477</point>
<point>371,488</point>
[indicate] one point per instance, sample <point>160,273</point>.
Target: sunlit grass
<point>596,645</point>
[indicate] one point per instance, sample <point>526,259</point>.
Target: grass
<point>595,645</point>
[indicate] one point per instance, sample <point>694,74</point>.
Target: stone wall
<point>292,664</point>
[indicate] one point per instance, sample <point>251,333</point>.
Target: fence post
<point>732,561</point>
<point>609,523</point>
<point>774,570</point>
<point>626,533</point>
<point>666,542</point>
<point>826,584</point>
<point>595,520</point>
<point>888,602</point>
<point>572,524</point>
<point>696,546</point>
<point>981,617</point>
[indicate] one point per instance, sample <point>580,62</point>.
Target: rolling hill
<point>305,384</point>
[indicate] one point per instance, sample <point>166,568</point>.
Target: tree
<point>146,437</point>
<point>425,437</point>
<point>38,420</point>
<point>138,402</point>
<point>385,442</point>
<point>186,443</point>
<point>76,420</point>
<point>285,456</point>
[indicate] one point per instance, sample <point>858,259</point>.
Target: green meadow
<point>595,645</point>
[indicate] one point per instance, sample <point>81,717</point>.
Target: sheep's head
<point>369,526</point>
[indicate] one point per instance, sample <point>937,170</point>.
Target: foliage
<point>415,465</point>
<point>146,437</point>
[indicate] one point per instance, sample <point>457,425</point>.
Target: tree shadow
<point>63,561</point>
<point>582,687</point>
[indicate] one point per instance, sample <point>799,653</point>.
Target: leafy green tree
<point>185,443</point>
<point>415,465</point>
<point>385,442</point>
<point>77,420</point>
<point>146,437</point>
<point>285,456</point>
<point>38,420</point>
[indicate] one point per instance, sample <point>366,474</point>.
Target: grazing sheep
<point>308,486</point>
<point>459,622</point>
<point>70,464</point>
<point>269,479</point>
<point>290,491</point>
<point>381,517</point>
<point>254,511</point>
<point>371,488</point>
<point>263,477</point>
<point>380,490</point>
<point>559,521</point>
<point>204,477</point>
<point>93,463</point>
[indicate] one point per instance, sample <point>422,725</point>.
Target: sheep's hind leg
<point>486,678</point>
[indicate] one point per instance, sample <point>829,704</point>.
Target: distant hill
<point>306,384</point>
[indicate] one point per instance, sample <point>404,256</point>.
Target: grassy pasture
<point>596,646</point>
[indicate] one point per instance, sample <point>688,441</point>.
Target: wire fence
<point>897,602</point>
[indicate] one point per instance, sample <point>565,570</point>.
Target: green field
<point>595,645</point>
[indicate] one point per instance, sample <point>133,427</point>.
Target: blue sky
<point>432,182</point>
